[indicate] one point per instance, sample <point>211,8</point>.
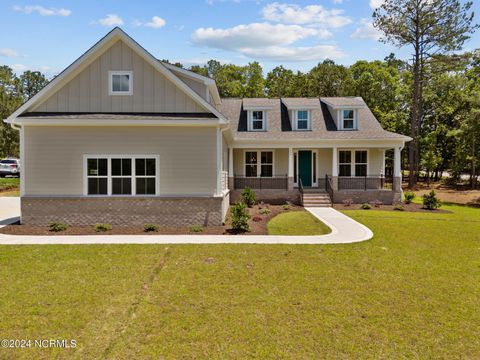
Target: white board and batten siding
<point>152,91</point>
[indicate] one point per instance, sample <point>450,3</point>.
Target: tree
<point>329,79</point>
<point>10,100</point>
<point>280,82</point>
<point>32,82</point>
<point>431,28</point>
<point>254,82</point>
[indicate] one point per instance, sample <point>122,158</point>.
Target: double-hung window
<point>120,82</point>
<point>259,163</point>
<point>121,175</point>
<point>345,163</point>
<point>361,163</point>
<point>257,121</point>
<point>303,120</point>
<point>348,120</point>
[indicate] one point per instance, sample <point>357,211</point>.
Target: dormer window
<point>302,120</point>
<point>120,82</point>
<point>257,121</point>
<point>348,120</point>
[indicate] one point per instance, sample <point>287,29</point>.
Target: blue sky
<point>48,35</point>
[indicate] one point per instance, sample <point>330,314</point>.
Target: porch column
<point>334,169</point>
<point>230,168</point>
<point>290,169</point>
<point>397,170</point>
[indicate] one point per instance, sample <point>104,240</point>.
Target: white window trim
<point>109,173</point>
<point>353,163</point>
<point>295,122</point>
<point>314,151</point>
<point>341,119</point>
<point>250,120</point>
<point>130,83</point>
<point>259,162</point>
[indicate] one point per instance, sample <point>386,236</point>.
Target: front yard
<point>411,292</point>
<point>10,186</point>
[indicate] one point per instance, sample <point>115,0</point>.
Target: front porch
<point>282,174</point>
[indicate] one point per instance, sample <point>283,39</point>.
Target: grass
<point>411,292</point>
<point>297,223</point>
<point>8,184</point>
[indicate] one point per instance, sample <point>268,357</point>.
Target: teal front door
<point>305,167</point>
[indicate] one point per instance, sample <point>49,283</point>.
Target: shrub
<point>257,218</point>
<point>265,211</point>
<point>365,206</point>
<point>196,228</point>
<point>399,207</point>
<point>430,201</point>
<point>248,197</point>
<point>376,203</point>
<point>150,227</point>
<point>408,196</point>
<point>286,207</point>
<point>240,217</point>
<point>103,227</point>
<point>57,226</point>
<point>347,202</point>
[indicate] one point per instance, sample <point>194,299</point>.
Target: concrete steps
<point>316,199</point>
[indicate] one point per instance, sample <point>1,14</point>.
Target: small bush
<point>103,227</point>
<point>399,207</point>
<point>430,201</point>
<point>239,217</point>
<point>365,206</point>
<point>408,196</point>
<point>347,202</point>
<point>257,218</point>
<point>196,228</point>
<point>265,211</point>
<point>57,226</point>
<point>248,197</point>
<point>150,227</point>
<point>286,207</point>
<point>376,203</point>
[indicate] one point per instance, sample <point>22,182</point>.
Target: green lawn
<point>411,292</point>
<point>297,223</point>
<point>7,184</point>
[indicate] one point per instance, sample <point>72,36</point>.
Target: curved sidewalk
<point>344,230</point>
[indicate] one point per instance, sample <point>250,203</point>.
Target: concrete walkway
<point>344,230</point>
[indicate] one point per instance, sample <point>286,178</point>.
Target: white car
<point>9,167</point>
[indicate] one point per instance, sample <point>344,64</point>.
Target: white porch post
<point>335,168</point>
<point>230,168</point>
<point>397,170</point>
<point>219,162</point>
<point>290,169</point>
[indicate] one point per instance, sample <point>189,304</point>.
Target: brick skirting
<point>387,197</point>
<point>274,197</point>
<point>206,211</point>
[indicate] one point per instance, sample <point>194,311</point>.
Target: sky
<point>48,35</point>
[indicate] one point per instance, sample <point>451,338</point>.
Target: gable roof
<point>90,55</point>
<point>323,125</point>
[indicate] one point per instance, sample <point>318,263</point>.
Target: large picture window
<point>121,175</point>
<point>359,167</point>
<point>259,163</point>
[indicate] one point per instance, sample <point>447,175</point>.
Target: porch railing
<point>261,183</point>
<point>329,187</point>
<point>370,182</point>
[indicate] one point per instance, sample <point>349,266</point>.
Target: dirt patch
<point>456,194</point>
<point>407,207</point>
<point>258,226</point>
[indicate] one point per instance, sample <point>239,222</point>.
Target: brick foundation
<point>206,211</point>
<point>274,197</point>
<point>387,197</point>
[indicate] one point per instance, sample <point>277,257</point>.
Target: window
<point>259,163</point>
<point>257,121</point>
<point>345,167</point>
<point>120,83</point>
<point>121,175</point>
<point>303,120</point>
<point>97,176</point>
<point>348,119</point>
<point>361,163</point>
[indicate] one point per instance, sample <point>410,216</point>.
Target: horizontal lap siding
<point>88,91</point>
<point>54,156</point>
<point>376,161</point>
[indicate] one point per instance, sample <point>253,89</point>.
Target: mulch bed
<point>408,208</point>
<point>256,227</point>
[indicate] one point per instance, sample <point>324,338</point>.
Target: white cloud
<point>310,14</point>
<point>111,20</point>
<point>366,30</point>
<point>292,53</point>
<point>18,67</point>
<point>8,53</point>
<point>376,3</point>
<point>157,22</point>
<point>42,10</point>
<point>255,35</point>
<point>338,1</point>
